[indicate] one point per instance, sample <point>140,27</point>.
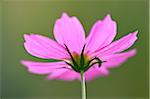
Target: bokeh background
<point>129,81</point>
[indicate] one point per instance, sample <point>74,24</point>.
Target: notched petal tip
<point>104,71</point>
<point>98,22</point>
<point>25,62</point>
<point>64,15</point>
<point>133,52</point>
<point>26,37</point>
<point>108,17</point>
<point>22,62</point>
<point>135,33</point>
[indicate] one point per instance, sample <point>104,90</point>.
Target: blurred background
<point>129,81</point>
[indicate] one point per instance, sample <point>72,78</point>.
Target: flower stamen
<point>90,64</point>
<point>81,62</point>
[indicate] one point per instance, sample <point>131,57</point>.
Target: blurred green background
<point>130,81</point>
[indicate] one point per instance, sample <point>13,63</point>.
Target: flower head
<point>93,55</point>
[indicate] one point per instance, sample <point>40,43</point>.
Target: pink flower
<point>94,55</point>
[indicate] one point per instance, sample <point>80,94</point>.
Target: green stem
<point>83,86</point>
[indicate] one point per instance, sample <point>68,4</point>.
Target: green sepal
<point>82,58</point>
<point>74,62</point>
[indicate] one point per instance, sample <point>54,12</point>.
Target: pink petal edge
<point>118,46</point>
<point>69,31</point>
<point>101,34</point>
<point>43,67</point>
<point>115,60</point>
<point>44,47</point>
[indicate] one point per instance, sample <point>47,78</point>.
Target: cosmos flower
<point>93,55</point>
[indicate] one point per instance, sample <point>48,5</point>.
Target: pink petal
<point>43,68</point>
<point>55,74</point>
<point>119,45</point>
<point>44,47</point>
<point>101,34</point>
<point>70,75</point>
<point>116,60</point>
<point>69,31</point>
<point>95,72</point>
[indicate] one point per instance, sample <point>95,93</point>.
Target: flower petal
<point>43,68</point>
<point>116,60</point>
<point>55,74</point>
<point>119,45</point>
<point>69,31</point>
<point>70,75</point>
<point>101,34</point>
<point>43,47</point>
<point>95,72</point>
